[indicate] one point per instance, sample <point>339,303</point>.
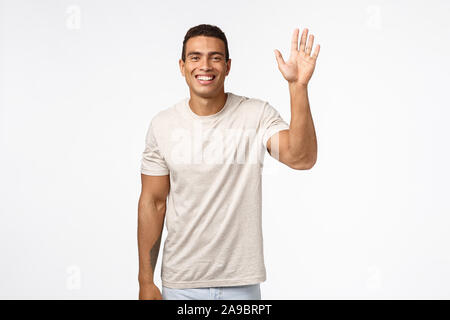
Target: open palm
<point>300,66</point>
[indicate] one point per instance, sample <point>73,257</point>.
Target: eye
<point>193,58</point>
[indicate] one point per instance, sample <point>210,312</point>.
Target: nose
<point>205,64</point>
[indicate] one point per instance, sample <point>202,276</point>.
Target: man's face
<point>205,56</point>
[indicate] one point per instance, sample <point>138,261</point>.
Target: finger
<point>316,52</point>
<point>303,39</point>
<point>309,45</point>
<point>279,58</point>
<point>294,41</point>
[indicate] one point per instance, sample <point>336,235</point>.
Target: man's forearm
<point>302,135</point>
<point>150,227</point>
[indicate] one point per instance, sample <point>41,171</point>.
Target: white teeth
<point>204,78</point>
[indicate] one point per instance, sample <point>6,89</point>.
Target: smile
<point>203,79</point>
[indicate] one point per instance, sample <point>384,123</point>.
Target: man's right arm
<point>151,214</point>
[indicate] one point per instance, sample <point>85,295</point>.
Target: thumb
<point>279,58</point>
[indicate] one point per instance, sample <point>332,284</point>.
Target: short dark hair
<point>206,30</point>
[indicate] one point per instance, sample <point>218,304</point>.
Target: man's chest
<point>199,145</point>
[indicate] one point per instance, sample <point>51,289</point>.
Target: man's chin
<point>205,92</point>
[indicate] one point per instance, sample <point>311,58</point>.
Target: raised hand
<point>300,66</point>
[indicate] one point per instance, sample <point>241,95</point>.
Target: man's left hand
<point>300,66</point>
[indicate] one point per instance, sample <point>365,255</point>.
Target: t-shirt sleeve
<point>153,163</point>
<point>272,122</point>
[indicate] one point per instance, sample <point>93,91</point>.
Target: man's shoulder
<point>250,102</point>
<point>164,116</point>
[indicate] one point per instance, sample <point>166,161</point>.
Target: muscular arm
<point>296,147</point>
<point>151,214</point>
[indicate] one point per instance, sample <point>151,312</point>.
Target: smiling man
<point>201,173</point>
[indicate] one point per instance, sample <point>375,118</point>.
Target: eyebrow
<point>209,53</point>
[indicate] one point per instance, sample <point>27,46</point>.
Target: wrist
<point>145,281</point>
<point>146,284</point>
<point>297,85</point>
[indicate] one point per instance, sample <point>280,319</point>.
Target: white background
<point>82,79</point>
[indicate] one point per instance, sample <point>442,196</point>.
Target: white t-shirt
<point>213,213</point>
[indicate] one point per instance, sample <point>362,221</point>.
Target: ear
<point>228,66</point>
<point>181,64</point>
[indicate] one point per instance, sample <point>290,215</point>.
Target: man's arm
<point>297,147</point>
<point>151,214</point>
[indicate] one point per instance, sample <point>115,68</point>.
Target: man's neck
<point>207,106</point>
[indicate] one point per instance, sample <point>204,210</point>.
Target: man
<point>203,159</point>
